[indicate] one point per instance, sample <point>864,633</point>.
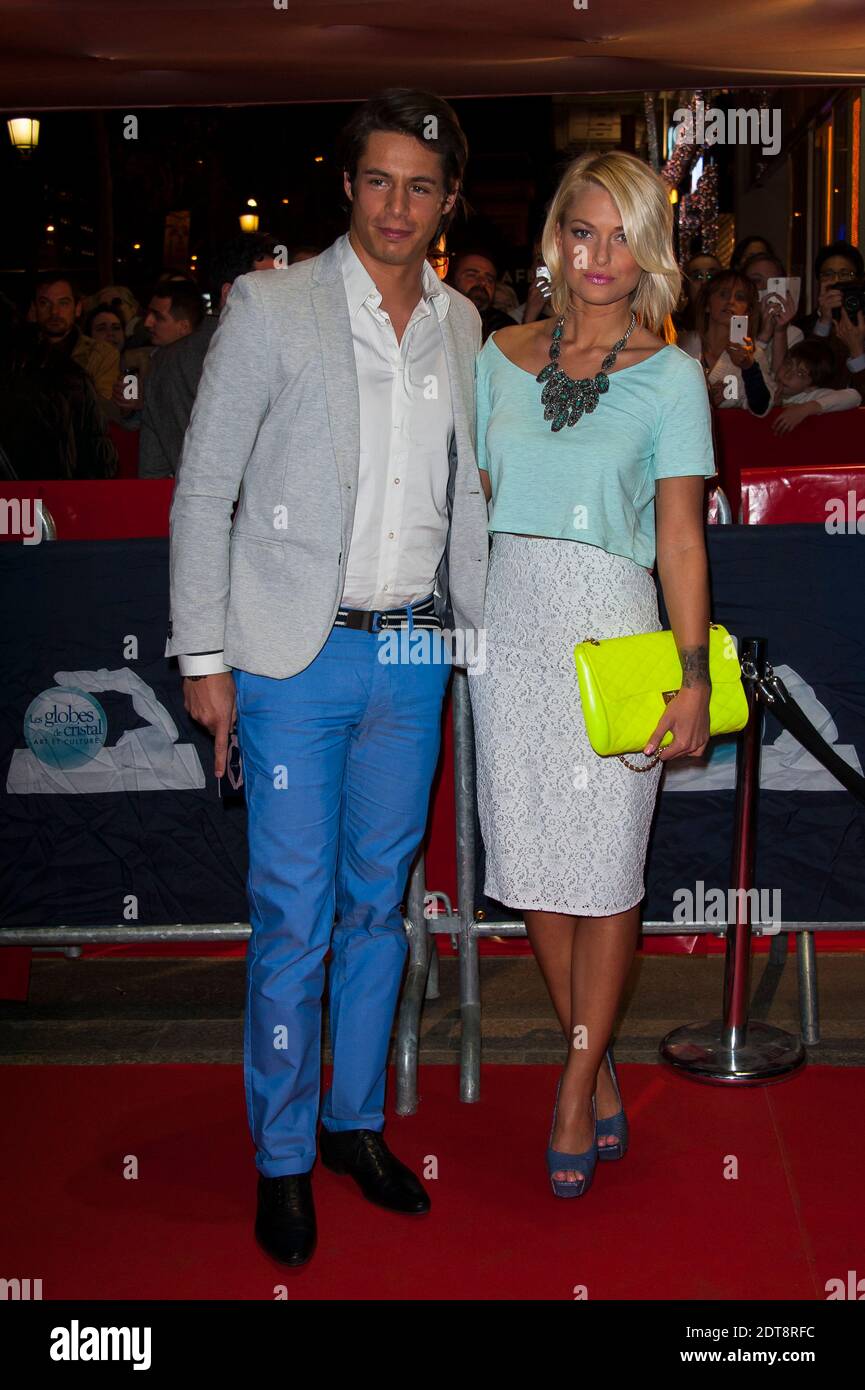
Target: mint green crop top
<point>593,481</point>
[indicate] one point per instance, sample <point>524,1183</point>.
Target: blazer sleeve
<point>232,400</point>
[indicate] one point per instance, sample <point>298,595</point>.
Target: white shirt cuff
<point>856,364</point>
<point>820,329</point>
<point>204,664</point>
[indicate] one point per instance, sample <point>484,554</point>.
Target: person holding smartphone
<point>737,370</point>
<point>776,333</point>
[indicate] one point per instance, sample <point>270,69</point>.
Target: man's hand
<point>827,300</point>
<point>212,701</point>
<point>852,334</point>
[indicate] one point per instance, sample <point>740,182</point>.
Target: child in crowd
<point>803,386</point>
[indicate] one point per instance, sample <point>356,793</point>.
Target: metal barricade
<point>729,1050</point>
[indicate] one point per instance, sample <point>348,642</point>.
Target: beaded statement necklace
<point>566,400</point>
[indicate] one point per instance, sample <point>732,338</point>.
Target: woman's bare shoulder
<point>514,332</point>
<point>517,339</point>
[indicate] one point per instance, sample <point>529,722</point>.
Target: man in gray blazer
<point>337,407</point>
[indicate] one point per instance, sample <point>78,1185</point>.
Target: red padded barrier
<point>121,508</point>
<point>746,441</point>
<point>836,493</point>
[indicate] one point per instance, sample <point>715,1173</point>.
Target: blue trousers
<point>338,762</point>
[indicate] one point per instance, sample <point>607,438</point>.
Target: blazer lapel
<point>338,363</point>
<point>456,354</point>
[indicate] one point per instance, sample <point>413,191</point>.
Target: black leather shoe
<point>285,1223</point>
<point>381,1177</point>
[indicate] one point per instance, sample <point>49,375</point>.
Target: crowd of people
<point>71,365</point>
<point>803,364</point>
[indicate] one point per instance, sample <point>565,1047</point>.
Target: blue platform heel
<point>616,1125</point>
<point>581,1163</point>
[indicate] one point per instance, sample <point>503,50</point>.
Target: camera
<point>852,300</point>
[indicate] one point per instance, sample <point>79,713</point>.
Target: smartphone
<point>738,328</point>
<point>780,286</point>
<point>776,288</point>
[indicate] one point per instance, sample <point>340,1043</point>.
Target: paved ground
<point>190,1010</point>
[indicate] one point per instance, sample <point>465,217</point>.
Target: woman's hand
<point>793,415</point>
<point>787,313</point>
<point>687,715</point>
<point>776,314</point>
<point>741,354</point>
<point>535,303</point>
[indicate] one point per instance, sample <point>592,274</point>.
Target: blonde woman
<point>573,492</point>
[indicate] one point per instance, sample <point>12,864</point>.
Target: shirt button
<point>396,480</point>
<point>390,535</point>
<point>386,587</point>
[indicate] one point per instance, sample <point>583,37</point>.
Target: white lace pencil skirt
<point>565,830</point>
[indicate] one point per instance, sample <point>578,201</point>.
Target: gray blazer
<point>276,418</point>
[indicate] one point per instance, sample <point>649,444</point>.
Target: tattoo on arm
<point>695,666</point>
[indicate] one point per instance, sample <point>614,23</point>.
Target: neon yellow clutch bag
<point>625,683</point>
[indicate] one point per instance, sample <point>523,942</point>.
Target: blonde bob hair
<point>643,200</point>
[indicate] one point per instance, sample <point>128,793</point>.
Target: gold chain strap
<point>631,767</point>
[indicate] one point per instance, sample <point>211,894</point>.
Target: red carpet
<point>662,1224</point>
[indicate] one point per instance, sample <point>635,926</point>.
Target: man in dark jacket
<point>51,425</point>
<point>175,370</point>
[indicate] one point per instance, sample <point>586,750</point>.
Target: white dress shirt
<point>406,428</point>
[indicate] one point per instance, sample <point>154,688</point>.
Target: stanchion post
<point>411,1004</point>
<point>737,964</point>
<point>464,796</point>
<point>733,1050</point>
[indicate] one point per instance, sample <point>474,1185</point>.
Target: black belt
<point>422,615</point>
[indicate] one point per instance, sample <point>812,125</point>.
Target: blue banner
<point>111,813</point>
